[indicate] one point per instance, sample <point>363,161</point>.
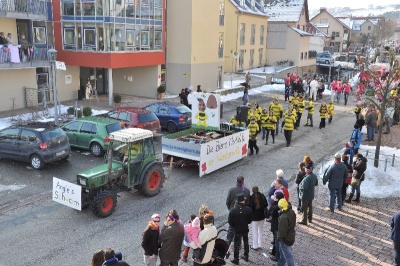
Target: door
<point>86,134</point>
<point>71,130</point>
<point>28,144</point>
<point>9,143</point>
<point>163,115</point>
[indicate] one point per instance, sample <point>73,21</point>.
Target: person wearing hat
<point>286,233</point>
<point>335,175</point>
<point>253,132</point>
<point>231,200</point>
<point>150,240</point>
<point>274,212</point>
<point>277,109</point>
<point>170,239</point>
<point>310,109</point>
<point>306,194</point>
<point>239,218</point>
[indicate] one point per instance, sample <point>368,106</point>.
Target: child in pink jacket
<point>192,231</point>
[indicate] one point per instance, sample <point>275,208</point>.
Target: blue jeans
<point>309,117</point>
<point>388,121</point>
<point>370,132</point>
<point>337,95</point>
<point>356,189</point>
<point>264,130</point>
<point>286,255</point>
<point>346,97</point>
<point>335,193</point>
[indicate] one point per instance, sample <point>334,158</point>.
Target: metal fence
<point>389,159</point>
<point>35,7</point>
<point>30,55</point>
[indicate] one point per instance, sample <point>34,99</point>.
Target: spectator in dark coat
<point>347,182</point>
<point>359,167</point>
<point>395,225</point>
<point>150,240</point>
<point>258,204</point>
<point>286,233</point>
<point>274,213</point>
<point>239,218</point>
<point>231,200</point>
<point>183,97</point>
<point>170,239</point>
<point>335,175</point>
<point>111,259</point>
<point>306,194</point>
<point>299,177</point>
<point>371,122</point>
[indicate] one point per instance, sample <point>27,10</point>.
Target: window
<point>113,114</point>
<point>241,2</point>
<point>88,128</point>
<point>242,33</point>
<point>221,45</point>
<point>262,34</point>
<point>28,135</point>
<point>251,61</point>
<point>124,116</point>
<point>10,133</point>
<point>253,33</point>
<point>337,34</point>
<point>369,27</point>
<point>346,31</point>
<point>241,55</point>
<point>305,56</point>
<point>221,12</point>
<point>73,126</point>
<point>260,56</point>
<point>253,4</point>
<point>88,8</point>
<point>301,56</point>
<point>323,21</point>
<point>68,8</point>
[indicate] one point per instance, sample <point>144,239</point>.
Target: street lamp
<point>52,55</point>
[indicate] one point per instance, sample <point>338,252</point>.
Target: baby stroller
<point>220,250</point>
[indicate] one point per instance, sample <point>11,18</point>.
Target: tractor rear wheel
<point>152,181</point>
<point>104,203</point>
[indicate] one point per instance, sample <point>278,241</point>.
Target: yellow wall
<point>138,81</point>
<point>68,91</point>
<point>232,38</point>
<point>12,83</point>
<point>192,44</point>
<point>9,25</point>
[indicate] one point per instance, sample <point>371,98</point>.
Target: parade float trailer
<point>209,143</point>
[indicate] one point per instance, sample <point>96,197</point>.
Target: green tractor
<point>130,162</point>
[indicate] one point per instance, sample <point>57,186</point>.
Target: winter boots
<point>350,197</point>
<point>357,199</point>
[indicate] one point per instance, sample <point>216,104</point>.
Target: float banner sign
<point>221,152</point>
<point>206,110</point>
<point>67,193</point>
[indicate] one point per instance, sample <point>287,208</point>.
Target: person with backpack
<point>356,138</point>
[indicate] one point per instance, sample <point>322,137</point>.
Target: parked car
<point>91,133</point>
<point>173,116</point>
<point>325,58</point>
<point>37,143</point>
<point>345,62</point>
<point>136,117</point>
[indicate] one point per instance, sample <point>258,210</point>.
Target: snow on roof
<point>346,21</point>
<point>301,32</point>
<point>357,24</point>
<point>321,25</point>
<point>374,21</point>
<point>283,10</point>
<point>247,7</point>
<point>312,27</point>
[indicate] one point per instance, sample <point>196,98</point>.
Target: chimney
<point>321,9</point>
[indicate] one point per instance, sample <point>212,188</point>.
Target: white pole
<point>110,87</point>
<point>53,73</point>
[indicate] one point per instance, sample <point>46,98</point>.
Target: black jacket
<point>170,239</point>
<point>239,218</point>
<point>258,214</point>
<point>274,213</point>
<point>359,168</point>
<point>300,175</point>
<point>150,241</point>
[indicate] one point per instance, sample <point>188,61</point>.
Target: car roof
<point>132,109</point>
<point>37,126</point>
<point>98,120</point>
<point>170,103</point>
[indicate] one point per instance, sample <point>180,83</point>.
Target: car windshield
<point>150,117</point>
<point>113,127</point>
<point>53,133</point>
<point>183,109</point>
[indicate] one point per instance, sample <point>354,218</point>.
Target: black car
<point>37,143</point>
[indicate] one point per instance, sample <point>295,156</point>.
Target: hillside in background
<point>388,11</point>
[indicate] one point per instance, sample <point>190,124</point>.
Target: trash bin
<point>80,95</point>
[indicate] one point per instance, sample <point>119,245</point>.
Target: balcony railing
<point>25,8</point>
<point>18,57</point>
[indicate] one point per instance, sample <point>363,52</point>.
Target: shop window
<point>68,8</point>
<point>262,34</point>
<point>253,33</point>
<point>69,38</point>
<point>242,33</point>
<point>40,36</point>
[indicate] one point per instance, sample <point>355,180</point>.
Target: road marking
<point>23,202</point>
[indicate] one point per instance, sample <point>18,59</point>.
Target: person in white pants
<point>258,204</point>
<point>314,88</point>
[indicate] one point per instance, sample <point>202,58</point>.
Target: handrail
<point>28,55</point>
<point>36,7</point>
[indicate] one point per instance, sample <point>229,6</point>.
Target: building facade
<point>23,58</point>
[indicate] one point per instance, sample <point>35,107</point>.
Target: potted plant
<point>160,92</point>
<point>117,100</point>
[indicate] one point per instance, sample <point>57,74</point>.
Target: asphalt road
<point>47,233</point>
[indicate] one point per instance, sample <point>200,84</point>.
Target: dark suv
<point>37,143</point>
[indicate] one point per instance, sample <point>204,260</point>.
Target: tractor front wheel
<point>104,203</point>
<point>152,181</point>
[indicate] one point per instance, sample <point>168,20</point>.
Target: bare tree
<point>383,30</point>
<point>382,85</point>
